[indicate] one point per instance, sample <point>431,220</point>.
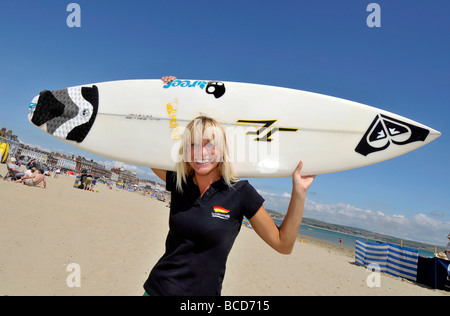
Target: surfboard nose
<point>434,134</point>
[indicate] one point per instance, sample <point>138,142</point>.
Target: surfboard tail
<point>67,114</point>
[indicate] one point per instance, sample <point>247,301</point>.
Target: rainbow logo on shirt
<point>222,210</point>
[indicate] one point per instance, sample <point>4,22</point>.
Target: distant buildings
<point>66,162</point>
<point>78,164</point>
<point>124,176</point>
<point>92,167</point>
<point>8,135</point>
<point>30,153</point>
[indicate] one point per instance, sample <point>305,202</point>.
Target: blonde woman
<point>207,208</point>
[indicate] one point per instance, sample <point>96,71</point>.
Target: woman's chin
<point>203,168</point>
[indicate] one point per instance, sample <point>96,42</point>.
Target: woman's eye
<point>210,146</point>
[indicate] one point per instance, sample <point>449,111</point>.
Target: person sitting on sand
<point>15,169</point>
<point>34,180</point>
<point>29,172</point>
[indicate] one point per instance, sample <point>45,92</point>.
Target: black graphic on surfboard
<point>215,88</point>
<point>385,131</point>
<point>67,113</point>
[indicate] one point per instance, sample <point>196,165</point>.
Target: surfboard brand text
<point>173,124</point>
<point>216,88</point>
<point>186,84</point>
<point>139,117</point>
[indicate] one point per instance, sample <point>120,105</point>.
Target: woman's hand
<point>301,184</point>
<point>168,79</point>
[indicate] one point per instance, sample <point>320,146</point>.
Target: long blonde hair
<point>199,129</point>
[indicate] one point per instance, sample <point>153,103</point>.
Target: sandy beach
<point>116,237</point>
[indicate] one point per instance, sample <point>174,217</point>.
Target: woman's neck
<point>205,181</point>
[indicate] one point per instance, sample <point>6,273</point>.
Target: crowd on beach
<point>36,173</point>
<point>31,177</point>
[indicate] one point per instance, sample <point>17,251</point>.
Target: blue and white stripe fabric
<point>392,259</point>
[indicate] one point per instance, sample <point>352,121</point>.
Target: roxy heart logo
<point>220,212</point>
<point>385,131</point>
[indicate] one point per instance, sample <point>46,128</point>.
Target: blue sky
<point>323,46</point>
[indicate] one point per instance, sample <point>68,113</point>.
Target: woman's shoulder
<point>242,185</point>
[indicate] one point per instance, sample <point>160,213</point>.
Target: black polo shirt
<point>202,230</point>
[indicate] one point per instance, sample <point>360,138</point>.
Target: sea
<point>335,237</point>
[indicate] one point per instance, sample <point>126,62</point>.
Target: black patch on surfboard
<point>80,132</point>
<point>385,131</point>
<point>56,108</point>
<point>47,108</point>
<point>215,88</point>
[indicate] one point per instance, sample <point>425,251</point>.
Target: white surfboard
<point>269,129</point>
